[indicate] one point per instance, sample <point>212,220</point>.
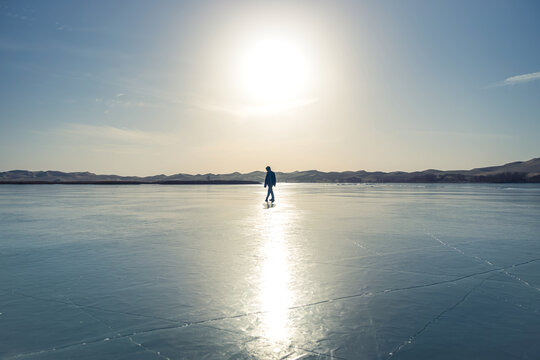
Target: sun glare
<point>274,70</point>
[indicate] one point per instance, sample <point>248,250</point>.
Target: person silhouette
<point>270,181</point>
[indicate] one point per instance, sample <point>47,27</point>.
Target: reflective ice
<point>401,271</point>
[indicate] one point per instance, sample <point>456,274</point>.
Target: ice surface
<point>402,271</point>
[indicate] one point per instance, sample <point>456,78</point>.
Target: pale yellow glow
<point>274,70</point>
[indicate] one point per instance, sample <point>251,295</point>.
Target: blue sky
<point>141,88</point>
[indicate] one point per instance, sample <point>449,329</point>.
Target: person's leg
<point>268,193</point>
<point>271,191</point>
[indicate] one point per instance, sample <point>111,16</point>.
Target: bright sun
<point>274,70</point>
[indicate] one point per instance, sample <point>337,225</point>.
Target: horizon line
<point>283,172</point>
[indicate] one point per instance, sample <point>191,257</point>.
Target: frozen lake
<point>402,271</point>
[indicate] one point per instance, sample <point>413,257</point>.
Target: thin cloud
<point>117,135</point>
<point>255,110</point>
<point>464,134</point>
<point>116,149</point>
<point>518,79</point>
<point>128,103</point>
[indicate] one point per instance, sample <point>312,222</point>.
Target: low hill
<point>519,171</point>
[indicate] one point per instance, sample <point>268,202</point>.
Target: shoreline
<point>171,182</point>
<point>248,182</point>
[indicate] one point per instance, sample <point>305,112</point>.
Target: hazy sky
<point>144,87</point>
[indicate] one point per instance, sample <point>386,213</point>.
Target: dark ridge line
<point>514,172</point>
<point>127,182</point>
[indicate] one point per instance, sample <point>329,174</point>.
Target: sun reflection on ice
<point>275,278</point>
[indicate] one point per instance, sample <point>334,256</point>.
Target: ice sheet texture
<point>401,271</point>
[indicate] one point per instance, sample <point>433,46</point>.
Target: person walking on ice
<point>270,181</point>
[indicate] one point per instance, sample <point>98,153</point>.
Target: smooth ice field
<point>400,271</point>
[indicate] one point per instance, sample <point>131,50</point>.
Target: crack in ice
<point>431,321</point>
<point>379,269</point>
<point>179,324</point>
<point>484,261</point>
<point>17,292</point>
<point>517,278</point>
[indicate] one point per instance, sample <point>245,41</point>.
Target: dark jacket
<point>270,179</point>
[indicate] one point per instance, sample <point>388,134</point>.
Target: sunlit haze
<point>143,88</point>
<point>273,70</point>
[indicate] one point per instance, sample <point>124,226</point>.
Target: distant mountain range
<point>519,171</point>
